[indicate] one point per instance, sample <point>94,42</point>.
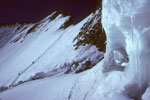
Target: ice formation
<point>127,26</point>
<point>123,74</point>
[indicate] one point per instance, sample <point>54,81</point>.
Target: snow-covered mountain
<point>30,51</point>
<point>48,60</point>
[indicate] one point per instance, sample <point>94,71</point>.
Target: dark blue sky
<point>35,10</point>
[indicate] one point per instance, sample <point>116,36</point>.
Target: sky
<point>35,10</point>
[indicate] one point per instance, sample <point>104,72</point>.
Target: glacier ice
<point>127,26</point>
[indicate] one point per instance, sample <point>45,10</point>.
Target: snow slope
<point>43,47</point>
<point>84,86</point>
<point>92,84</point>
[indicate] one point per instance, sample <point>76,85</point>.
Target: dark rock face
<point>54,16</point>
<point>92,33</point>
<point>32,29</point>
<point>83,64</point>
<point>3,88</point>
<point>67,23</point>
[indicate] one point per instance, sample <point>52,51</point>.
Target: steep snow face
<point>46,48</point>
<point>127,26</point>
<point>26,46</point>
